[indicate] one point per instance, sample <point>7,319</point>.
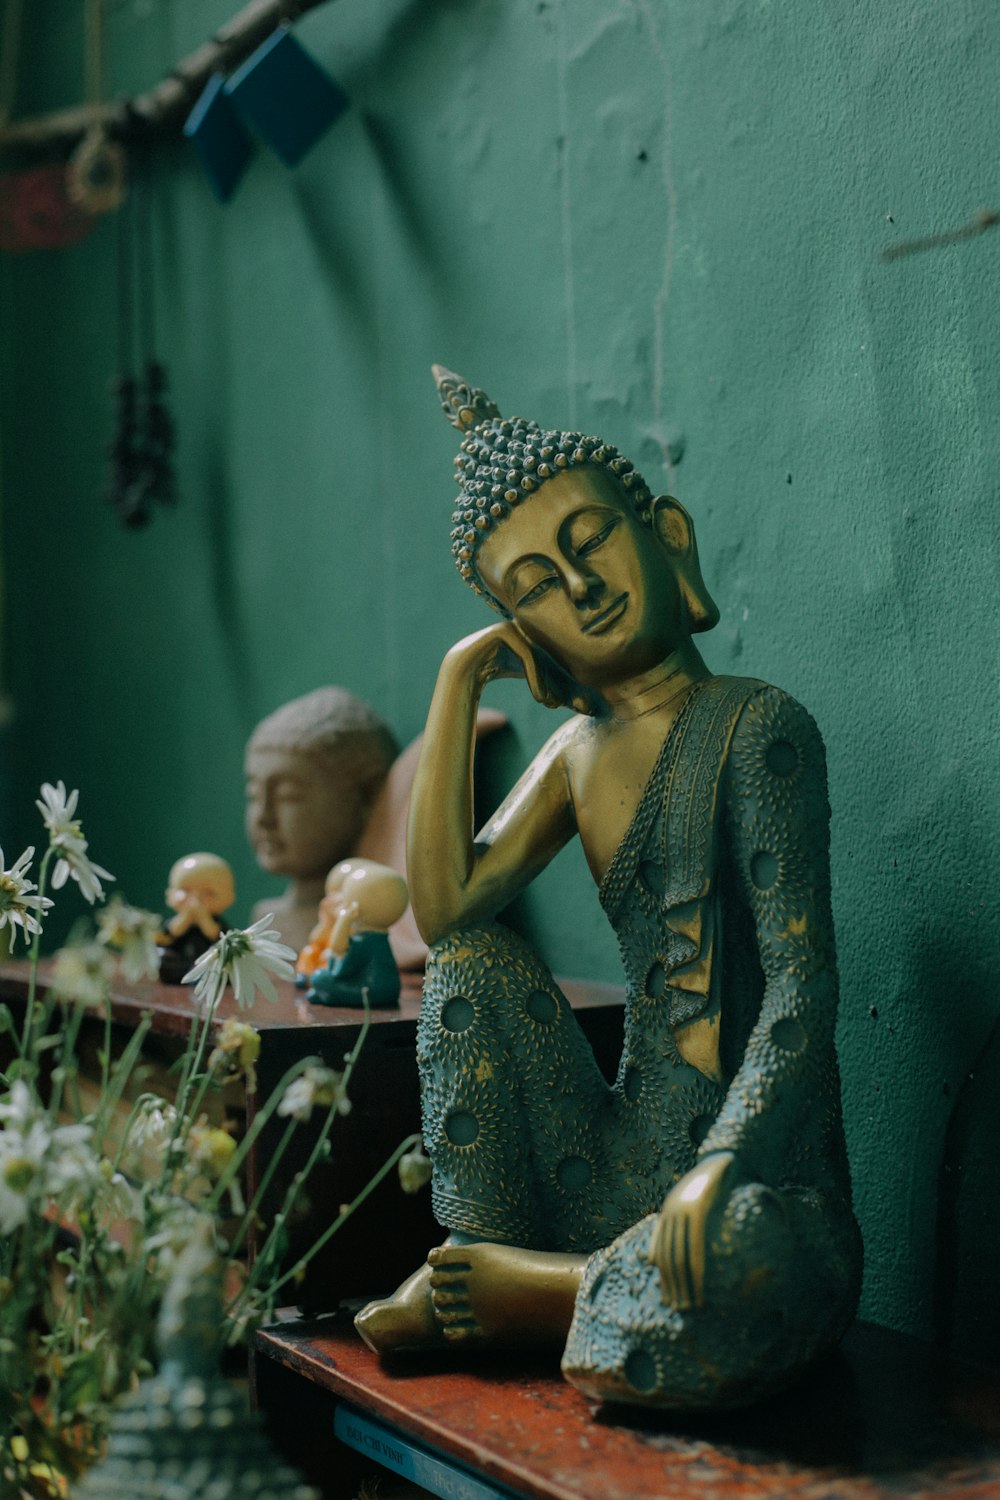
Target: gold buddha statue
<point>685,1236</point>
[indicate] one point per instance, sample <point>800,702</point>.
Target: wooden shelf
<point>172,1007</point>
<point>886,1416</point>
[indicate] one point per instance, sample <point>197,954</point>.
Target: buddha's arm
<point>777,818</point>
<point>454,878</point>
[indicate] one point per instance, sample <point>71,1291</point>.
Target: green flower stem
<point>355,1052</point>
<point>120,1075</point>
<point>36,945</point>
<point>106,1054</point>
<point>203,1087</point>
<point>196,1050</point>
<point>193,1054</point>
<point>65,1053</point>
<point>272,1103</point>
<point>266,1251</point>
<point>259,1121</point>
<point>220,990</point>
<point>328,1233</point>
<point>265,1183</point>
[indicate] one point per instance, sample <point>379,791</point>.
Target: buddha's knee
<point>479,982</point>
<point>776,1294</point>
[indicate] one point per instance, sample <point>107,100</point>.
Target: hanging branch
<point>161,108</point>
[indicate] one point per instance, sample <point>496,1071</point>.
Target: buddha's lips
<point>598,623</point>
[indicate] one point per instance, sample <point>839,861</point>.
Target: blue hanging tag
<point>220,138</point>
<point>285,96</point>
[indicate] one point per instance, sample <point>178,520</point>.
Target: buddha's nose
<point>585,588</point>
<point>264,815</point>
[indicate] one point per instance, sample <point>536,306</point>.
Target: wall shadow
<point>966,1305</point>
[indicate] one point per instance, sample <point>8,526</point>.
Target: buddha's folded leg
<point>781,1284</point>
<point>516,1113</point>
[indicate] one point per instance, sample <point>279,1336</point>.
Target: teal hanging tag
<point>286,97</point>
<point>218,135</point>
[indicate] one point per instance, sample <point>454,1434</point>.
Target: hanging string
<point>158,427</point>
<point>95,173</point>
<point>140,472</point>
<point>125,487</point>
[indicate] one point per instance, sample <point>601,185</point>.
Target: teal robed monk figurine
<point>366,898</point>
<point>684,1235</point>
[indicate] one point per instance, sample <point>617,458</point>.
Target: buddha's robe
<point>719,896</point>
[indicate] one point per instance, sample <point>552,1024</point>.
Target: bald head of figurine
<point>201,878</point>
<point>313,769</point>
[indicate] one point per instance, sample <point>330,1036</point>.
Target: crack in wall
<point>566,211</point>
<point>670,201</point>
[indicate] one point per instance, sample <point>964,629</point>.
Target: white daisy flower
<point>243,957</point>
<point>18,907</point>
<point>57,809</point>
<point>37,1163</point>
<point>132,932</point>
<point>154,1123</point>
<point>72,1167</point>
<point>22,1164</point>
<point>19,1105</point>
<point>116,1197</point>
<point>74,861</point>
<point>82,973</point>
<point>316,1085</point>
<point>178,1221</point>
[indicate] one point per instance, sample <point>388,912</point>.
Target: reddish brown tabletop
<point>172,1005</point>
<point>886,1416</point>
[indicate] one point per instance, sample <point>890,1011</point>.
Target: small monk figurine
<point>369,898</point>
<point>313,770</point>
<point>685,1236</point>
<point>317,949</point>
<point>316,952</point>
<point>200,889</point>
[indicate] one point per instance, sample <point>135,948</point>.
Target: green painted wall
<point>660,221</point>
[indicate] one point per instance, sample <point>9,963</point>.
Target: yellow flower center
<point>19,1173</point>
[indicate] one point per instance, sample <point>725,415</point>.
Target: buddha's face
<point>586,580</point>
<point>301,817</point>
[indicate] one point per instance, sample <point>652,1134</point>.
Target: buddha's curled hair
<point>504,460</point>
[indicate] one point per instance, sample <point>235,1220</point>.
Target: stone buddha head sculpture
<point>313,769</point>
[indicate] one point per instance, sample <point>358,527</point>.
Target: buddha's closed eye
<point>591,543</point>
<point>540,587</point>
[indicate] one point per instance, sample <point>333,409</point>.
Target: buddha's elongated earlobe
<point>675,529</point>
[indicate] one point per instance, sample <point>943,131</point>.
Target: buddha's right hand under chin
<point>502,651</point>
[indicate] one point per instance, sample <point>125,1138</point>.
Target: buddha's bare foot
<point>403,1321</point>
<point>499,1294</point>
